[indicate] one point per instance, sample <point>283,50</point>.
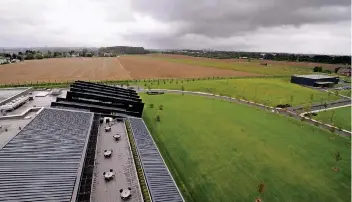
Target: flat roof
<point>162,186</point>
<point>121,161</point>
<point>325,82</point>
<point>316,76</point>
<point>42,162</point>
<point>6,93</point>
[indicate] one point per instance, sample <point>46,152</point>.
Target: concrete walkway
<point>327,109</point>
<point>122,163</point>
<point>331,104</point>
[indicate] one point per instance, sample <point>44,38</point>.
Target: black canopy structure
<point>102,99</point>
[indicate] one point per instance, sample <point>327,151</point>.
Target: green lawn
<point>345,92</point>
<point>267,91</point>
<point>341,117</point>
<point>252,67</point>
<point>220,151</point>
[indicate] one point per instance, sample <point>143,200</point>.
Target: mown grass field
<point>341,117</point>
<point>345,92</point>
<point>254,66</point>
<point>267,91</point>
<point>220,151</point>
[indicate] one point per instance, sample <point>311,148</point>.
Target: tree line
<point>123,50</point>
<point>101,52</point>
<point>328,59</point>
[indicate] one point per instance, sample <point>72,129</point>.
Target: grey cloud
<point>308,26</point>
<point>223,18</point>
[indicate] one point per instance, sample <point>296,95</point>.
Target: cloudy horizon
<point>301,26</point>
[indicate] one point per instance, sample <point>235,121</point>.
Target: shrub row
<point>125,82</point>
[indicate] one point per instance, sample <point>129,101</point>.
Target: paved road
<point>331,104</point>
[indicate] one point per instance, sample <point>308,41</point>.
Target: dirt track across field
<point>122,68</point>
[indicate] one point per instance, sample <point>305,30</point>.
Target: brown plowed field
<point>285,63</point>
<point>147,67</point>
<point>126,67</point>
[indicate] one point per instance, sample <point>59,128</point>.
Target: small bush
<point>161,107</point>
<point>327,71</point>
<point>317,69</point>
<point>151,105</point>
<point>158,119</point>
<point>332,129</point>
<point>283,105</point>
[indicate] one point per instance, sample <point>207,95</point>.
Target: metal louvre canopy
<point>162,186</point>
<point>42,162</point>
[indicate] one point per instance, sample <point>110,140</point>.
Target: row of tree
<point>102,52</point>
<point>123,50</point>
<point>37,55</point>
<point>267,56</point>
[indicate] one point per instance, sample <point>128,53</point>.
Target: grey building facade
<point>315,80</point>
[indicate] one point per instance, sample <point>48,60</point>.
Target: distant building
<point>108,54</point>
<point>345,71</point>
<point>316,80</point>
<point>4,61</point>
<point>15,60</point>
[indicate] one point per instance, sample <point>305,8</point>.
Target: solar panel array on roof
<point>102,99</point>
<point>161,185</point>
<point>42,161</point>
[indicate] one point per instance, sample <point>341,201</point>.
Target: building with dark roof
<point>59,155</point>
<point>102,99</point>
<point>44,160</point>
<point>315,80</point>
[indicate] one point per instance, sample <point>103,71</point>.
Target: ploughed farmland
<point>121,68</point>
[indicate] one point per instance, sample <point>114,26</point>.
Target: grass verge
<point>267,91</point>
<point>340,117</point>
<point>221,151</point>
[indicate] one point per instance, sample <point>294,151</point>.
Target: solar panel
<point>161,185</point>
<point>41,162</point>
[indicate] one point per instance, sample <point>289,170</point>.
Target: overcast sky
<point>299,26</point>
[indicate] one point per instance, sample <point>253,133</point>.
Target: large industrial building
<point>315,80</point>
<point>73,145</point>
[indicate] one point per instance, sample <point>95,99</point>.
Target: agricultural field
<point>221,151</point>
<point>141,67</point>
<point>254,66</point>
<point>262,90</point>
<point>341,117</point>
<point>122,68</point>
<point>151,66</point>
